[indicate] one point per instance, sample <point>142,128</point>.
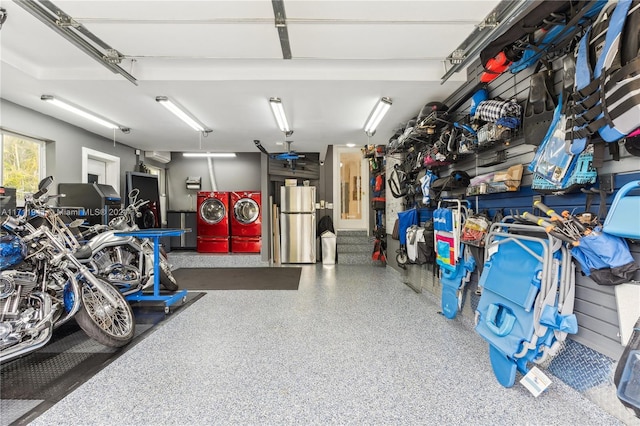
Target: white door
<point>96,163</point>
<point>350,189</point>
<point>96,171</point>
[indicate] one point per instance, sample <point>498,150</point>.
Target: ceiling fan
<point>291,157</point>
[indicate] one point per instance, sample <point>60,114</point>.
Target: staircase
<point>354,248</point>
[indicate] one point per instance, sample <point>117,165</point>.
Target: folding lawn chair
<point>526,307</point>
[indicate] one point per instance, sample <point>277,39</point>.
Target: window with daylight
<point>22,164</point>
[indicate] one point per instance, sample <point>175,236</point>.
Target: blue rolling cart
<point>156,234</point>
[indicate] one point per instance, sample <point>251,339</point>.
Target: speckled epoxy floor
<point>352,346</point>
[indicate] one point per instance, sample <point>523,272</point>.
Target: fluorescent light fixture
<point>182,114</point>
<point>278,113</point>
<point>351,145</point>
<point>82,112</point>
<point>209,154</point>
<point>376,116</point>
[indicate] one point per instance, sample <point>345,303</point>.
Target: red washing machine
<point>213,222</point>
<point>246,222</point>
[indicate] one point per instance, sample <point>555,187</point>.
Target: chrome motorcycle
<point>126,262</point>
<point>43,285</point>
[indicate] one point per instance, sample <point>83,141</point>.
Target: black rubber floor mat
<point>31,384</point>
<point>281,278</point>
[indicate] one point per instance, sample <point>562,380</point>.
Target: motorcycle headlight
<point>118,223</point>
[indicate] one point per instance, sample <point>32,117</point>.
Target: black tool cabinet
<point>180,219</point>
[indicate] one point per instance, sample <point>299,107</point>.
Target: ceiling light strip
<point>182,114</point>
<point>68,33</point>
<point>82,112</point>
<point>278,113</point>
<point>376,116</point>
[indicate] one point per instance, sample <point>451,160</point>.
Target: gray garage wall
<point>231,174</point>
<point>64,158</point>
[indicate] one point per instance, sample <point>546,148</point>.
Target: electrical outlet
<point>607,182</point>
<point>536,198</point>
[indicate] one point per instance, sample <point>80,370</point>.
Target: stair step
<point>354,258</point>
<point>352,233</point>
<point>354,248</point>
<point>353,240</point>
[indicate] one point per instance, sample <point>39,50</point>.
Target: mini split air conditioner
<point>159,156</point>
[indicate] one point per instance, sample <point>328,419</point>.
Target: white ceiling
<point>222,60</point>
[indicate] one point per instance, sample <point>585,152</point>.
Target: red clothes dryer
<point>213,222</point>
<point>246,244</point>
<point>246,221</point>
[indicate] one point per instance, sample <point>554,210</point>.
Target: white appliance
<point>160,156</point>
<point>298,224</point>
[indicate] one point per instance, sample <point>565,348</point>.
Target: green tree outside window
<point>20,165</point>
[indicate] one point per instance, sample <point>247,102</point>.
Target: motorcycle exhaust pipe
<point>45,327</point>
<point>26,347</point>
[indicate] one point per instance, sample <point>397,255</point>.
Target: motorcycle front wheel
<point>110,325</point>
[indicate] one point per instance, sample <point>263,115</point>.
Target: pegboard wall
<point>392,205</point>
<point>596,306</point>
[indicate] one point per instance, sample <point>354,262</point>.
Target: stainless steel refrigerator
<point>298,224</point>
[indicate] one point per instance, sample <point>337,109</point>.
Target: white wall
<point>64,157</point>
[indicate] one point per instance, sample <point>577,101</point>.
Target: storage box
<point>501,181</point>
<point>509,179</point>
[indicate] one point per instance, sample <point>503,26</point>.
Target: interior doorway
<point>96,171</point>
<point>350,189</point>
<point>100,168</point>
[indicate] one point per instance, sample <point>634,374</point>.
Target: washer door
<point>246,211</point>
<point>212,211</point>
